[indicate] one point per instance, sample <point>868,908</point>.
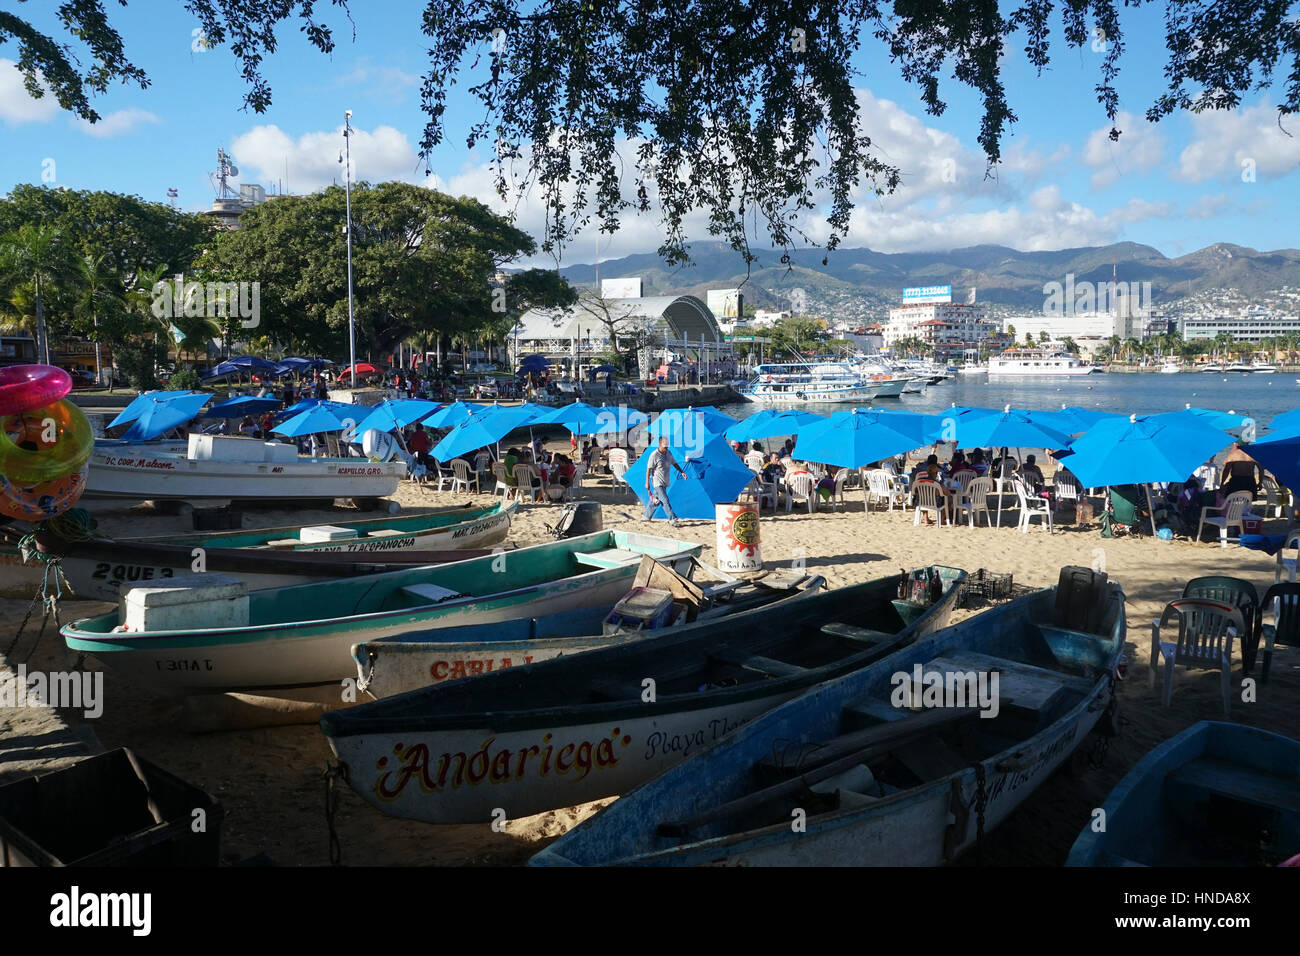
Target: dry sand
<point>270,780</point>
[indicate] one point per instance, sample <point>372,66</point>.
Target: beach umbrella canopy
<point>363,368</point>
<point>453,414</point>
<point>685,426</point>
<point>318,418</point>
<point>771,423</point>
<point>716,476</point>
<point>241,364</point>
<point>604,368</point>
<point>579,417</point>
<point>530,363</point>
<point>1073,420</point>
<point>147,400</point>
<point>1137,450</point>
<point>1280,454</point>
<point>1286,421</point>
<point>306,403</point>
<point>487,426</point>
<point>1231,422</point>
<point>860,436</point>
<point>159,417</point>
<point>296,363</point>
<point>241,406</point>
<point>1010,428</point>
<point>619,419</point>
<point>390,414</point>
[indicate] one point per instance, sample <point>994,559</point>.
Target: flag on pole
<point>177,334</point>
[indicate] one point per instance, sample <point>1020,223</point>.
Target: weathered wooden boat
<point>573,729</point>
<point>1217,794</point>
<point>395,665</point>
<point>855,773</point>
<point>97,569</point>
<point>208,633</point>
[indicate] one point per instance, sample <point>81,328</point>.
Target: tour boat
<point>1037,362</point>
<point>805,384</point>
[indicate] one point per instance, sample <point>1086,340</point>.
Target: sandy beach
<point>270,780</point>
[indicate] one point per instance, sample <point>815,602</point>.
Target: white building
<point>1077,325</point>
<point>1242,327</point>
<point>947,326</point>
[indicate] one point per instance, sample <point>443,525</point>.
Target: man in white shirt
<point>656,481</point>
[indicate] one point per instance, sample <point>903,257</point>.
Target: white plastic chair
<point>837,496</point>
<point>801,486</point>
<point>502,487</point>
<point>1031,508</point>
<point>528,483</point>
<point>958,495</point>
<point>927,498</point>
<point>1205,633</point>
<point>1272,496</point>
<point>976,502</point>
<point>754,461</point>
<point>617,470</point>
<point>1286,566</point>
<point>887,488</point>
<point>1067,488</point>
<point>464,477</point>
<point>1229,516</point>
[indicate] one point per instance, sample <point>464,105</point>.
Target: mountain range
<point>1000,275</point>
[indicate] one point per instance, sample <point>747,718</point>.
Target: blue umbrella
<point>858,436</point>
<point>306,403</point>
<point>452,414</point>
<point>1287,420</point>
<point>391,414</point>
<point>296,364</point>
<point>162,416</point>
<point>147,400</point>
<point>717,477</point>
<point>1134,450</point>
<point>534,363</point>
<point>318,418</point>
<point>687,426</point>
<point>619,419</point>
<point>485,427</point>
<point>1224,421</point>
<point>604,368</point>
<point>770,423</point>
<point>580,418</point>
<point>1010,428</point>
<point>1280,454</point>
<point>1073,419</point>
<point>241,364</point>
<point>241,406</point>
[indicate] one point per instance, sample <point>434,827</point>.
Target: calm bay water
<point>1259,396</point>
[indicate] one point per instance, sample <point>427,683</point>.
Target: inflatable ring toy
<point>24,387</point>
<point>42,500</point>
<point>45,443</point>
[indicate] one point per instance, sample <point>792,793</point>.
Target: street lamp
<point>347,188</point>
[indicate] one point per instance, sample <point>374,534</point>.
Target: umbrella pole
<point>1151,511</point>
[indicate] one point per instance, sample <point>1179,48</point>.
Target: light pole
<point>347,191</point>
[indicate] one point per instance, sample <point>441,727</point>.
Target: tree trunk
<point>42,336</point>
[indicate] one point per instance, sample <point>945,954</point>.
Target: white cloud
<point>117,123</point>
<point>1226,142</point>
<point>379,155</point>
<point>383,82</point>
<point>16,104</point>
<point>1140,148</point>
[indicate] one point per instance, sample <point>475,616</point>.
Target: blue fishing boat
<point>578,728</point>
<point>1216,795</point>
<point>906,762</point>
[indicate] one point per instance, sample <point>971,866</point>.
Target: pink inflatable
<point>24,387</point>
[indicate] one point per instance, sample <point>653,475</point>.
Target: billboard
<point>722,302</point>
<point>620,288</point>
<point>927,293</point>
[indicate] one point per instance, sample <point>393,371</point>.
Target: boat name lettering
<point>451,670</point>
<point>192,664</point>
<point>478,528</point>
<point>158,463</point>
<point>278,469</point>
<point>128,572</point>
<point>661,742</point>
<point>489,764</point>
<point>348,470</point>
<point>1010,782</point>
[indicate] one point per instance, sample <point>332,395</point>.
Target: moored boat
<point>207,633</point>
<point>574,729</point>
<point>905,762</point>
<point>97,569</point>
<point>395,665</point>
<point>1217,794</point>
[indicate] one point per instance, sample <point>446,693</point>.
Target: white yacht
<point>805,384</point>
<point>1170,368</point>
<point>1263,368</point>
<point>1037,362</point>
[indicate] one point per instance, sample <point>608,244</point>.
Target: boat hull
<point>847,395</point>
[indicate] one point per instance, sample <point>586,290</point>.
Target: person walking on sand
<point>656,481</point>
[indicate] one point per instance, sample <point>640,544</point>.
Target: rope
<point>333,773</point>
<point>50,603</point>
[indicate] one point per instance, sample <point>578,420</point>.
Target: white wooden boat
<point>395,665</point>
<point>207,633</point>
<point>578,728</point>
<point>223,468</point>
<point>859,771</point>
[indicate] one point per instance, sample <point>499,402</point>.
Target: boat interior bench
<point>1025,691</point>
<point>1239,783</point>
<point>861,635</point>
<point>423,595</point>
<point>756,662</point>
<point>609,558</point>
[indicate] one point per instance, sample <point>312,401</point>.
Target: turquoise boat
<point>1218,794</point>
<point>208,633</point>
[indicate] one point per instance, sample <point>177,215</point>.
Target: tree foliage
<point>747,111</point>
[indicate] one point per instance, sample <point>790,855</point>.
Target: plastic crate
<point>96,813</point>
<point>988,586</point>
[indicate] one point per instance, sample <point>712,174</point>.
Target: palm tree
<point>37,256</point>
<point>98,291</point>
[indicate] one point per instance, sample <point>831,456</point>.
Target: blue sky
<point>1177,185</point>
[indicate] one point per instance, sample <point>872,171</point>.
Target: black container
<point>217,519</point>
<point>578,518</point>
<point>96,813</point>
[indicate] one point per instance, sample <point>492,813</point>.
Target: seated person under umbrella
<point>1240,473</point>
<point>1032,475</point>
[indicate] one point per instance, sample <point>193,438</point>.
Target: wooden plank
<point>756,662</point>
<point>1240,783</point>
<point>877,709</point>
<point>861,634</point>
<point>651,574</point>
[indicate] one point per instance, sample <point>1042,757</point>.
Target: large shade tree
<point>746,111</point>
